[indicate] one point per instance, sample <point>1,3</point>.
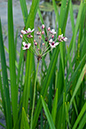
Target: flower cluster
<point>44,44</point>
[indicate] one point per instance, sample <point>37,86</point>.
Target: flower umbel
<point>44,44</point>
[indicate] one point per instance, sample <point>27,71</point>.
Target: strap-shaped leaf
<point>30,63</point>
<point>78,83</point>
<point>80,116</point>
<point>48,115</point>
<point>25,120</point>
<point>54,109</point>
<point>14,88</point>
<point>24,10</point>
<point>5,86</point>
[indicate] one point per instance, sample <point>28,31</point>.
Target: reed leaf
<point>5,87</point>
<point>54,109</point>
<point>83,122</point>
<point>80,116</point>
<point>71,79</point>
<point>14,88</point>
<point>24,10</point>
<point>30,62</point>
<point>71,16</point>
<point>76,27</point>
<point>48,115</point>
<point>56,13</point>
<point>78,83</point>
<point>25,120</point>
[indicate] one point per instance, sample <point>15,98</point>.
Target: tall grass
<point>59,101</point>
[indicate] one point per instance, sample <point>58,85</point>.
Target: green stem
<point>34,94</point>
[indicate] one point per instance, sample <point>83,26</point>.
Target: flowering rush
<point>44,43</point>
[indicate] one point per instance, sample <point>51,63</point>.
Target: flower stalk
<point>33,105</point>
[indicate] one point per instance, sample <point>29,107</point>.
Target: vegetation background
<point>60,94</point>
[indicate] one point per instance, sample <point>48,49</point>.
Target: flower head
<point>26,46</point>
<point>44,43</point>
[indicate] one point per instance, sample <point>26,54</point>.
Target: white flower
<point>53,44</point>
<point>29,30</point>
<point>65,39</point>
<point>61,38</point>
<point>52,31</point>
<point>29,36</point>
<point>26,46</point>
<point>23,32</point>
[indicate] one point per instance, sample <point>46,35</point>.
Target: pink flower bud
<point>39,37</point>
<point>38,49</point>
<point>34,40</point>
<point>52,36</point>
<point>42,32</point>
<point>48,28</point>
<point>35,43</point>
<point>21,36</point>
<point>43,26</point>
<point>43,44</point>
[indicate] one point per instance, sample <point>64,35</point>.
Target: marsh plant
<point>40,48</point>
<point>58,99</point>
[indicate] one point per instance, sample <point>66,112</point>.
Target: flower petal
<point>24,48</point>
<point>65,39</point>
<point>29,30</point>
<point>24,43</point>
<point>61,35</point>
<point>57,43</point>
<point>52,31</point>
<point>50,40</point>
<point>29,44</point>
<point>33,30</point>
